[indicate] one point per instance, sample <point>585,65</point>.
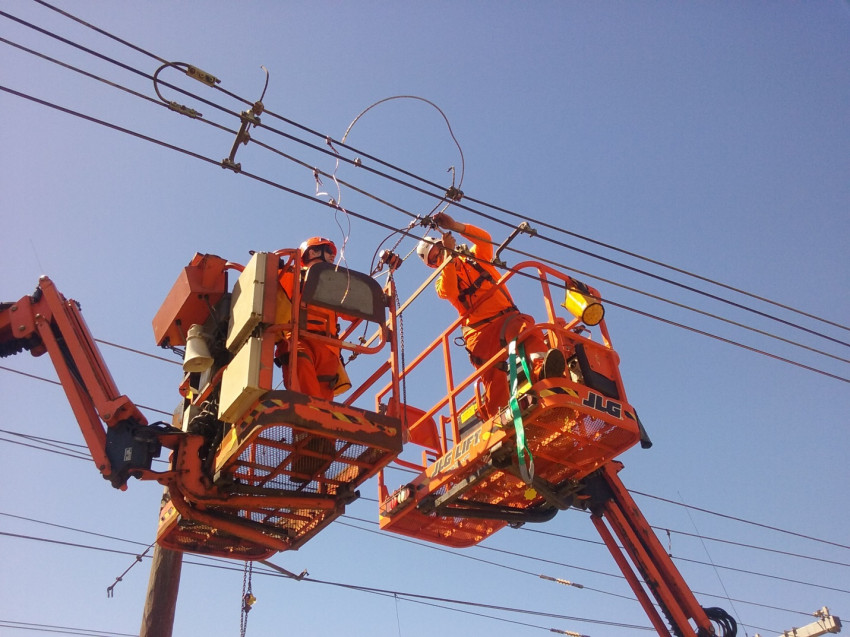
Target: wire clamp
<point>184,110</point>
<point>202,76</point>
<point>389,258</point>
<point>454,194</point>
<point>249,118</point>
<point>523,227</point>
<point>231,165</point>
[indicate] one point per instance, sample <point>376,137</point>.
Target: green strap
<point>526,471</point>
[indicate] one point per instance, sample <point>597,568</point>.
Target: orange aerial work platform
<point>524,464</point>
<point>277,465</point>
<point>254,469</point>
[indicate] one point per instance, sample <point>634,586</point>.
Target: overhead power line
<point>500,221</point>
<point>61,630</point>
<point>554,562</point>
<point>736,519</point>
<point>329,140</point>
<point>365,217</point>
<point>366,589</point>
<point>664,265</point>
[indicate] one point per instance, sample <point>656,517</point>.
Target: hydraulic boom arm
<point>47,322</point>
<point>610,502</point>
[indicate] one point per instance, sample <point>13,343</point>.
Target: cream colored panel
<point>247,301</point>
<point>240,383</point>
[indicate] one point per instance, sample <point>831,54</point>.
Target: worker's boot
<point>554,364</point>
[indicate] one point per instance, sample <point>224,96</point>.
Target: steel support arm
<point>648,569</point>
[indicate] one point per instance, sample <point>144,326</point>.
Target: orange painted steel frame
<point>55,325</point>
<point>452,460</point>
<point>462,462</point>
<point>217,519</point>
<point>555,327</point>
<point>648,556</point>
<point>253,508</point>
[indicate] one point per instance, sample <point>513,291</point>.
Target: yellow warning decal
<point>549,391</point>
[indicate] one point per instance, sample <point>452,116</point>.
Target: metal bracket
<point>193,72</point>
<point>251,117</point>
<point>523,227</point>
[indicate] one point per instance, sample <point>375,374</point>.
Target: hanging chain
<point>400,346</point>
<point>248,598</point>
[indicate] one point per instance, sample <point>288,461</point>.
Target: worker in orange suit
<point>490,318</point>
<point>319,369</point>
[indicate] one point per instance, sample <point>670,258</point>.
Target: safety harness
<point>526,470</point>
<point>475,285</point>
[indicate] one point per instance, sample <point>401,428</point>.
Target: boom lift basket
<point>472,484</point>
<point>276,466</point>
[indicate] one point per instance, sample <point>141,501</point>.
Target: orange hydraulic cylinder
<point>649,556</point>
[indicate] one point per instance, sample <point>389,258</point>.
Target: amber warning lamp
<point>584,307</point>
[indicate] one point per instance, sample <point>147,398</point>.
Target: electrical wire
<point>659,298</point>
<point>384,225</point>
<point>56,382</point>
<point>124,130</point>
<point>700,332</point>
<point>365,589</point>
<point>497,564</point>
<point>502,551</point>
<point>737,519</point>
<point>342,142</point>
<point>590,254</point>
<point>61,630</point>
<point>594,571</point>
<point>427,546</point>
<point>659,529</point>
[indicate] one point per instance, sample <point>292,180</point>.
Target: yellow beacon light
<point>584,307</point>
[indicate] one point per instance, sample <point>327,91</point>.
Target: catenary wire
<point>483,561</point>
<point>549,533</point>
<point>61,630</point>
<point>768,576</point>
<point>397,208</point>
<point>166,359</point>
<point>428,546</point>
<point>56,382</point>
<point>736,519</point>
<point>365,217</point>
<point>590,254</point>
<point>765,575</point>
<point>619,576</point>
<point>611,282</point>
<point>544,560</point>
<point>340,584</point>
<point>660,529</point>
<point>170,361</point>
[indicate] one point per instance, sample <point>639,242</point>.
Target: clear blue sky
<point>711,136</point>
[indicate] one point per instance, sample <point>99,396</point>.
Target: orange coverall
<point>318,363</point>
<point>491,320</point>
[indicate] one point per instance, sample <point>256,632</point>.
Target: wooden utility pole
<point>163,585</point>
<point>161,601</point>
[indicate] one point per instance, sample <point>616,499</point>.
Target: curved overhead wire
<point>421,99</point>
<point>403,211</point>
<point>579,236</point>
<point>480,202</point>
<point>377,222</point>
<point>458,204</point>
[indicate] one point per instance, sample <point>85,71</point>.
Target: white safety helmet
<point>424,248</point>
